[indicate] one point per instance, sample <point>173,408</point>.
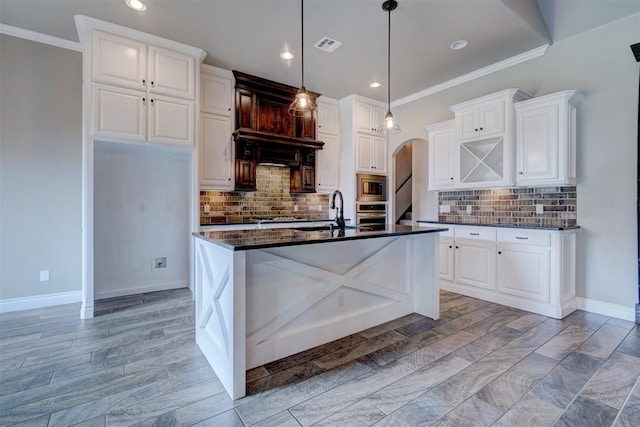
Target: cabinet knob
<point>521,173</point>
<point>481,128</point>
<point>229,109</point>
<point>450,247</point>
<point>144,82</point>
<point>476,129</point>
<point>451,178</point>
<point>499,252</point>
<point>228,179</point>
<point>151,100</point>
<point>456,247</point>
<point>319,126</point>
<point>152,84</point>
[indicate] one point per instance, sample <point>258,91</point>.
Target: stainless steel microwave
<point>371,188</point>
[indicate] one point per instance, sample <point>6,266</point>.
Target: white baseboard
<point>139,290</point>
<point>606,309</point>
<point>39,301</point>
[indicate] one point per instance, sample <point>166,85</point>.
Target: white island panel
<point>288,299</point>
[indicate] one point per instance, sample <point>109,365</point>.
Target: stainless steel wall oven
<point>373,215</point>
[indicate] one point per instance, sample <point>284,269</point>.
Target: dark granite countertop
<point>528,227</point>
<point>239,240</point>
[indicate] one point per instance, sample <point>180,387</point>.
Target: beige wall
<point>599,63</point>
<point>40,168</point>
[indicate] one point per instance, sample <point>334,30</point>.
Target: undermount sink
<point>332,227</point>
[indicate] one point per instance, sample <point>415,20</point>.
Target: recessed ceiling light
<point>136,5</point>
<point>286,55</point>
<point>459,44</point>
<point>374,84</point>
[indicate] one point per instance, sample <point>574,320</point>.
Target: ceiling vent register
<point>327,44</point>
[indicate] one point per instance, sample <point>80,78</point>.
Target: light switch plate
<point>469,209</point>
<point>539,209</point>
<point>445,209</point>
<point>207,208</point>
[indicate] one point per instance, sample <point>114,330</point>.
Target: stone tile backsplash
<point>272,199</point>
<point>511,206</point>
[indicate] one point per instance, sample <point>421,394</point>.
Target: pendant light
<point>302,104</point>
<point>389,125</point>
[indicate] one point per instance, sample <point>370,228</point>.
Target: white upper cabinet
<point>371,154</point>
<point>328,131</point>
<point>546,139</point>
<point>217,91</point>
<point>368,117</point>
<point>442,155</point>
<point>216,148</point>
<point>119,113</point>
<point>482,121</point>
<point>119,61</point>
<point>216,152</point>
<point>328,116</point>
<point>131,63</point>
<point>486,140</point>
<point>143,87</point>
<point>171,73</point>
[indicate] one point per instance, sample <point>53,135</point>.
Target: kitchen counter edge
<point>528,227</point>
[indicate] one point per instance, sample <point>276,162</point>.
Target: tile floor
<point>480,364</point>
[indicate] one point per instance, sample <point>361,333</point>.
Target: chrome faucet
<point>340,210</point>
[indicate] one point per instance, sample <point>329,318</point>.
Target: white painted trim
<point>607,309</point>
<point>140,290</point>
<point>501,65</point>
<point>38,301</point>
<point>40,38</point>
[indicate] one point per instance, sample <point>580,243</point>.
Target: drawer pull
<point>522,238</point>
<point>474,234</point>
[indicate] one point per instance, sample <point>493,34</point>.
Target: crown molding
<point>523,57</point>
<point>40,38</point>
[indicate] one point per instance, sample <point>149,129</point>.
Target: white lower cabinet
<point>533,270</point>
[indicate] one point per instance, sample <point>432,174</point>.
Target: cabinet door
<point>379,152</point>
<point>118,60</point>
<point>523,271</point>
<point>216,152</point>
<point>308,174</point>
<point>377,116</point>
<point>475,263</point>
<point>442,152</point>
<point>491,119</point>
<point>467,124</point>
<point>170,120</point>
<point>245,175</point>
<point>537,144</point>
<point>328,160</point>
<point>171,73</point>
<point>328,118</point>
<point>446,259</point>
<point>364,117</point>
<point>118,113</point>
<point>364,146</point>
<point>217,94</point>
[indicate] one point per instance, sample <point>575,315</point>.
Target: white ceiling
<point>248,35</point>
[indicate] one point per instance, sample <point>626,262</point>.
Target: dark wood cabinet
<point>267,133</point>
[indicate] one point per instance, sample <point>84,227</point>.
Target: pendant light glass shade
<point>302,104</point>
<point>389,125</point>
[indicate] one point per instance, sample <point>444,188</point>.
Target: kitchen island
<point>265,294</point>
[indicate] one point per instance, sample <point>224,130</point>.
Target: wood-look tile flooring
<point>480,364</point>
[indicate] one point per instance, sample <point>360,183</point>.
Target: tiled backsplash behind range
<point>271,199</point>
<point>511,206</point>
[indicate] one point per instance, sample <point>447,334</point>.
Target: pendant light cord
<point>302,37</point>
<point>389,65</point>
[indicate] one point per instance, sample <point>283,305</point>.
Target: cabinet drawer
<point>527,237</point>
<point>475,233</point>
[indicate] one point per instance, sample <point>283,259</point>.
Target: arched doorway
<point>408,181</point>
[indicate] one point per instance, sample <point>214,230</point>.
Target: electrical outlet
<point>44,275</point>
<point>207,208</point>
<point>159,263</point>
<point>445,209</point>
<point>469,209</point>
<point>539,209</point>
<point>295,208</point>
<point>319,208</point>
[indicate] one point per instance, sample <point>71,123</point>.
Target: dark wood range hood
<point>267,134</point>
